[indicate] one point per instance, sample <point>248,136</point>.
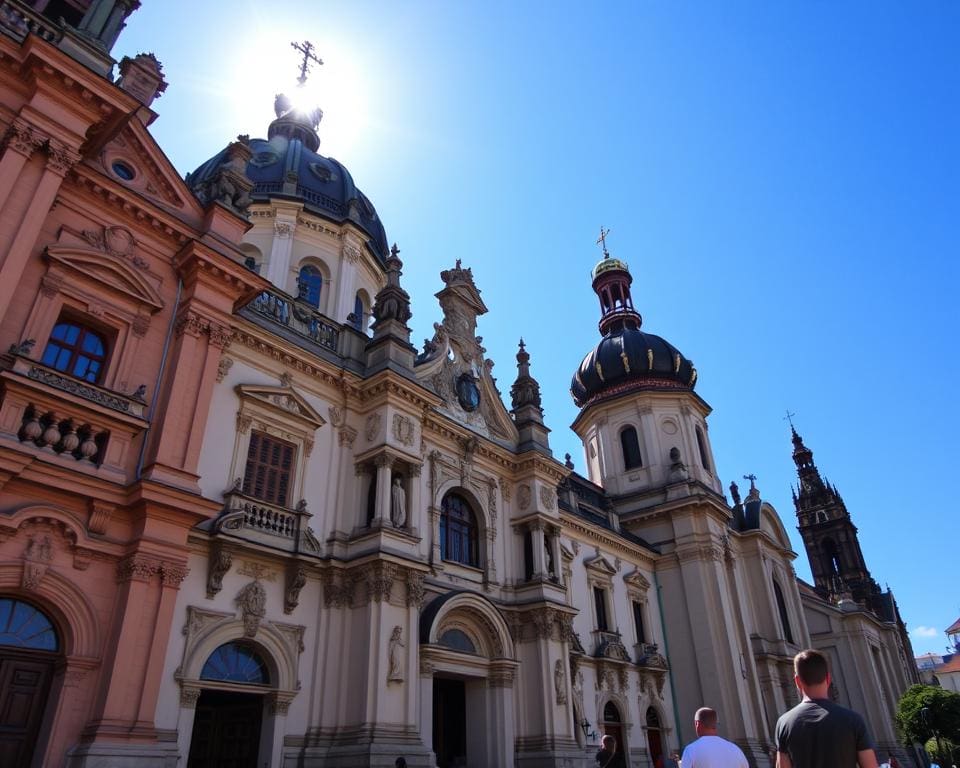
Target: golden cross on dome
<point>307,49</point>
<point>602,241</point>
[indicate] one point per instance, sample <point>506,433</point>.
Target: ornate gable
<point>284,401</point>
<point>637,580</point>
<point>600,567</point>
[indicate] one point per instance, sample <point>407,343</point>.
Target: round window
<point>123,170</point>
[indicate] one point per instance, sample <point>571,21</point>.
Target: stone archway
<point>467,667</point>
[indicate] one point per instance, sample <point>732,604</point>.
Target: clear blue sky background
<point>781,177</point>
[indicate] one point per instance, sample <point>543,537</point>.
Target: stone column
<point>426,708</point>
<point>537,542</point>
<point>342,305</point>
<point>278,268</point>
<point>500,715</point>
<point>382,508</point>
<point>60,159</point>
<point>555,551</point>
<point>20,143</point>
<point>414,517</point>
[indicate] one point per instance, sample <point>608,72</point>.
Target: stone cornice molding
<point>608,539</point>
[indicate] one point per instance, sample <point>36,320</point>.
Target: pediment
<point>637,579</point>
<point>154,176</point>
<point>566,553</point>
<point>285,400</point>
<point>109,258</point>
<point>599,565</point>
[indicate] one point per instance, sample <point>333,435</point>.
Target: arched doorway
<point>654,740</point>
<point>229,716</point>
<point>612,725</point>
<point>29,650</point>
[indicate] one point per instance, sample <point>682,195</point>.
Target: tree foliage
<point>943,714</point>
<point>942,752</point>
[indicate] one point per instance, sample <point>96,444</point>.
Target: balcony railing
<point>269,524</point>
<point>21,21</point>
<point>609,645</point>
<point>301,318</point>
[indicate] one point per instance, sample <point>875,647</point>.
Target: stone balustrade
<point>297,316</point>
<point>63,434</point>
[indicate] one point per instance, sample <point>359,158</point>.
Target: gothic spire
<point>525,390</point>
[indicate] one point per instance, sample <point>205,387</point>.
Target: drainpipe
<point>156,386</point>
<point>666,649</point>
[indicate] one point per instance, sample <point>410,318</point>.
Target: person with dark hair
<point>609,756</point>
<point>818,732</point>
<point>709,750</point>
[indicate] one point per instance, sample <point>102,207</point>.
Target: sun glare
<point>337,87</point>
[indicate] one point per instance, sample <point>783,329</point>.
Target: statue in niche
<point>559,682</point>
<point>548,556</point>
<point>395,673</point>
<point>398,503</point>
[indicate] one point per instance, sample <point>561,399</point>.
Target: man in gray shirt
<point>818,732</point>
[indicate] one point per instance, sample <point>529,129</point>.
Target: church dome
<point>626,358</point>
<point>287,165</point>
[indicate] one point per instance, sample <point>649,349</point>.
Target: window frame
<point>630,462</point>
<point>76,351</point>
<point>274,447</point>
<point>472,528</point>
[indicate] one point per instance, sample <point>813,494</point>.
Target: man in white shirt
<point>709,750</point>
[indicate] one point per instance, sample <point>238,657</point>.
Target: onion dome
<point>286,165</point>
<point>626,358</point>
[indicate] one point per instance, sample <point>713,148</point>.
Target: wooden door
<point>24,688</point>
<point>226,730</point>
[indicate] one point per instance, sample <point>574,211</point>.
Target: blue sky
<point>782,179</point>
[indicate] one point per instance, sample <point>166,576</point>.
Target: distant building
<point>244,521</point>
<point>943,670</point>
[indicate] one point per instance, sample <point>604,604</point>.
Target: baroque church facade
<point>245,522</point>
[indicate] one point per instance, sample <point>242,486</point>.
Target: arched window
<point>309,284</point>
<point>782,608</point>
<point>236,663</point>
<point>653,719</point>
<point>458,531</point>
<point>654,742</point>
<point>702,445</point>
<point>358,313</point>
<point>610,713</point>
<point>76,350</point>
<point>631,448</point>
<point>23,626</point>
<point>458,640</point>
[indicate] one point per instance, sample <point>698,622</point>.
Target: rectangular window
<point>638,621</point>
<point>600,599</point>
<point>269,468</point>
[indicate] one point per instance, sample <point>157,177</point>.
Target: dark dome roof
<point>627,358</point>
<point>285,167</point>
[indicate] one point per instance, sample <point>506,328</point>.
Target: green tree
<point>943,714</point>
<point>941,752</point>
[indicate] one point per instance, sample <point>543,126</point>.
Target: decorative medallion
<point>468,393</point>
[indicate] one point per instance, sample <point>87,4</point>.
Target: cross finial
<point>307,49</point>
<point>602,241</point>
<point>789,417</point>
<point>522,345</point>
<point>751,478</point>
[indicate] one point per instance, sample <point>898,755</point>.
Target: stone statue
<point>395,673</point>
<point>559,682</point>
<point>548,556</point>
<point>398,504</point>
<point>678,470</point>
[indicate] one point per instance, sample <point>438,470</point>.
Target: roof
<point>953,628</point>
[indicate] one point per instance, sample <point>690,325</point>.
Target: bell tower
<point>829,535</point>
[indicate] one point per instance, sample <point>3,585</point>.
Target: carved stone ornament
<point>252,600</point>
<point>172,574</point>
<point>223,368</point>
<point>188,696</point>
<point>36,560</point>
<point>372,428</point>
<point>220,562</point>
<point>414,589</point>
<point>337,590</point>
<point>524,497</point>
<point>137,567</point>
<point>296,580</point>
<point>548,497</point>
<point>395,656</point>
<point>403,429</point>
<point>23,138</point>
<point>346,437</point>
<point>560,682</point>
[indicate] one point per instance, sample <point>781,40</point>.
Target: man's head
<point>705,721</point>
<point>812,673</point>
<point>609,743</point>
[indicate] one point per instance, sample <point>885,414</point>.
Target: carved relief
<point>378,578</point>
<point>252,600</point>
<point>337,590</point>
<point>337,416</point>
<point>403,429</point>
<point>172,574</point>
<point>415,589</point>
<point>548,497</point>
<point>296,581</point>
<point>560,682</point>
<point>372,428</point>
<point>36,560</point>
<point>346,437</point>
<point>219,563</point>
<point>223,368</point>
<point>257,571</point>
<point>524,497</point>
<point>137,567</point>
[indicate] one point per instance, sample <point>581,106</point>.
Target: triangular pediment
<point>599,565</point>
<point>108,257</point>
<point>637,579</point>
<point>566,553</point>
<point>285,400</point>
<point>154,175</point>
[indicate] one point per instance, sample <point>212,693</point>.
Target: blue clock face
<point>468,394</point>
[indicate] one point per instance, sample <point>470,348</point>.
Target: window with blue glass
<point>309,284</point>
<point>24,626</point>
<point>76,350</point>
<point>358,313</point>
<point>458,640</point>
<point>236,663</point>
<point>458,531</point>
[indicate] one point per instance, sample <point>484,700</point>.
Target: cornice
<point>608,539</point>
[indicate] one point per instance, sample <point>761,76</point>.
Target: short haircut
<point>811,666</point>
<point>608,740</point>
<point>706,717</point>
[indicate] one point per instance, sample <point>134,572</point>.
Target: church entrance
<point>612,725</point>
<point>226,730</point>
<point>654,742</point>
<point>28,651</point>
<point>450,723</point>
